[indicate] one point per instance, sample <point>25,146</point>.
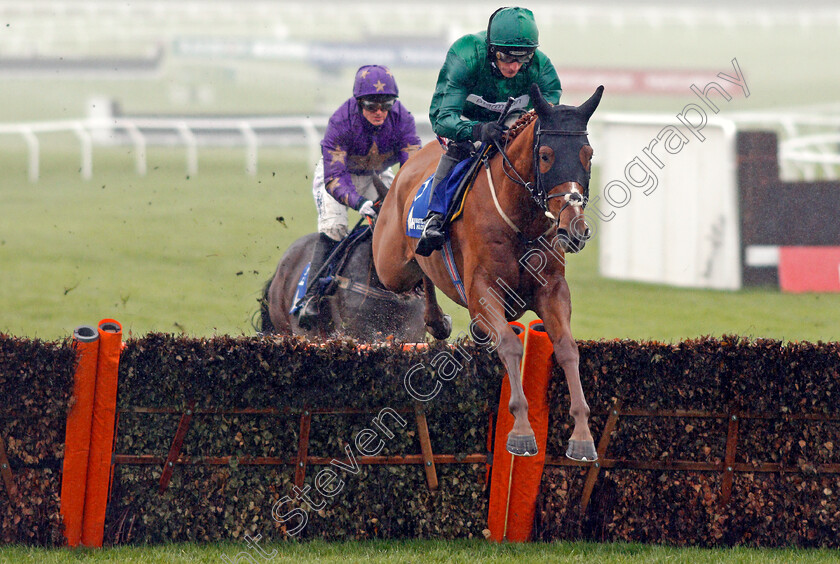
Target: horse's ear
<point>537,99</point>
<point>588,107</point>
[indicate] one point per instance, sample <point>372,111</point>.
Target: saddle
<point>450,195</point>
<point>455,205</point>
<point>328,282</point>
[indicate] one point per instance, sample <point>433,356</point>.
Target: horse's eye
<point>546,158</point>
<point>586,153</point>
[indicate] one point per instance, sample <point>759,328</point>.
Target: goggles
<point>521,57</point>
<point>376,106</point>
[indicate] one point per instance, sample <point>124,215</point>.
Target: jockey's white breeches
<point>332,214</point>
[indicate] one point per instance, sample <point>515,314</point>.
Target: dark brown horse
<point>521,216</point>
<point>359,307</point>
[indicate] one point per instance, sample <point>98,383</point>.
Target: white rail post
<point>250,148</point>
<point>34,152</point>
<point>192,148</point>
<point>313,140</point>
<point>87,150</point>
<point>139,147</point>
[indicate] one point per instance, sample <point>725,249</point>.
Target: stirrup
<point>309,312</point>
<point>429,243</point>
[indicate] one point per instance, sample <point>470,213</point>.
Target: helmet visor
<point>521,56</point>
<point>372,106</point>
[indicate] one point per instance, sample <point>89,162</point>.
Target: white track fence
<point>249,134</point>
<point>809,145</point>
<point>189,133</point>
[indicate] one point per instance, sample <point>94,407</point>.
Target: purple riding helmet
<point>374,80</point>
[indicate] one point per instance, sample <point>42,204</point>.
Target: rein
<point>505,217</point>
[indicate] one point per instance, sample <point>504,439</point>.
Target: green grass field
<point>167,253</point>
<point>417,551</point>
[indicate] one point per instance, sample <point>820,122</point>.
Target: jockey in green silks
<point>481,71</point>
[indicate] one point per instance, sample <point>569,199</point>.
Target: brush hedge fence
<point>703,442</point>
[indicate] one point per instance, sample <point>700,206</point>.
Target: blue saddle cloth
<point>301,289</point>
<point>440,203</point>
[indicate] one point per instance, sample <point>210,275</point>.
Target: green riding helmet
<point>513,27</point>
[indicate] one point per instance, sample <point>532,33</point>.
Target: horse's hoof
<point>522,445</point>
<point>447,326</point>
<point>581,450</point>
<point>441,330</point>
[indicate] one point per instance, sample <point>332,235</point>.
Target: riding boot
<point>433,238</point>
<point>310,310</point>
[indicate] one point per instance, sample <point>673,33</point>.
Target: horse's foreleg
<point>555,309</point>
<point>490,318</point>
<point>438,323</point>
<point>521,440</point>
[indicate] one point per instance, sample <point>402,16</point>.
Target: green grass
<point>420,551</point>
<point>608,309</point>
<point>159,253</point>
<point>172,254</point>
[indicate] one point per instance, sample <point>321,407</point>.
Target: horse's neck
<point>514,198</point>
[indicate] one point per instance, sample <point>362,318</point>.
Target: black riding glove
<point>488,132</point>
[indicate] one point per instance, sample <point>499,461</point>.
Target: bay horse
<point>522,214</point>
<point>360,307</point>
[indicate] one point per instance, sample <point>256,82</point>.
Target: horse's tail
<point>266,326</point>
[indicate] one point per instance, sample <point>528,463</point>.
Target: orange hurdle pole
<point>102,432</point>
<point>527,472</point>
<point>77,433</point>
<point>501,472</point>
<point>520,495</point>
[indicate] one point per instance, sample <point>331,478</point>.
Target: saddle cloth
<point>300,290</point>
<point>444,195</point>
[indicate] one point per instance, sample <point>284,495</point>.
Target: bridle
<point>537,189</point>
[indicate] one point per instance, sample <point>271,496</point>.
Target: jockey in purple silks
<point>366,136</point>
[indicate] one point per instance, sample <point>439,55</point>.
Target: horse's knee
<point>477,334</point>
<point>510,346</point>
<point>566,351</point>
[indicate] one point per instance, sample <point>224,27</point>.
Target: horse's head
<point>562,162</point>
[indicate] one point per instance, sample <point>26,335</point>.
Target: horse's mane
<point>520,125</point>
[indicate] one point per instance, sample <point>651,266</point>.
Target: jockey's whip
<point>501,121</point>
<point>505,111</point>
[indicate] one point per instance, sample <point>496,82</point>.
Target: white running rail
<point>190,133</point>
